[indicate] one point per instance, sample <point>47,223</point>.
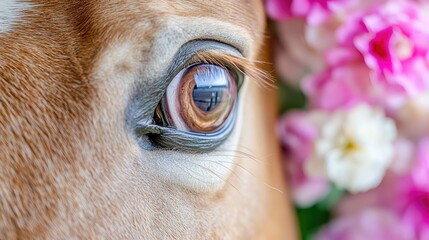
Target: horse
<point>138,120</point>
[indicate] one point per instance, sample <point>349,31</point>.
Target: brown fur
<point>68,166</point>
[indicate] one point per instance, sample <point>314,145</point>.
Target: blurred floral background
<point>355,115</point>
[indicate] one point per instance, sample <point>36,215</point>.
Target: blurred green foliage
<point>311,219</point>
<point>290,98</point>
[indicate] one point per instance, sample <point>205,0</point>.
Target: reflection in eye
<point>200,99</point>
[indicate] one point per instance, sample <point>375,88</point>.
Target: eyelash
<point>246,67</point>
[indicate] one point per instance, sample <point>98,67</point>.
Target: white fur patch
<point>200,173</point>
<point>10,13</point>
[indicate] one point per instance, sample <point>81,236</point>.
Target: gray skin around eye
<point>140,111</point>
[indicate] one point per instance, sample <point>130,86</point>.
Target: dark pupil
<point>211,83</point>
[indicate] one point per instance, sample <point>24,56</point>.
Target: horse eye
<point>200,99</point>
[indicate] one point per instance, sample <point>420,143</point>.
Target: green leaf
<point>311,219</point>
<point>290,98</point>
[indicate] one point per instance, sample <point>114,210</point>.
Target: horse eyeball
<point>201,99</point>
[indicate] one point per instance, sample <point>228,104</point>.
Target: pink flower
<point>371,223</point>
<point>297,131</point>
<point>408,204</point>
<point>404,156</point>
<point>400,195</point>
<point>393,40</point>
<point>384,196</point>
<point>405,195</point>
<point>315,11</point>
<point>420,173</point>
<point>412,199</point>
<point>415,206</point>
<point>338,87</point>
<point>416,212</point>
<point>294,57</point>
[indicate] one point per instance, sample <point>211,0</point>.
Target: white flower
<point>354,148</point>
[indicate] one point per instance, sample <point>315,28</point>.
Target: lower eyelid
<point>173,139</point>
<point>184,142</point>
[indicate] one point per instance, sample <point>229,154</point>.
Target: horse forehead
<point>11,12</point>
<point>103,12</point>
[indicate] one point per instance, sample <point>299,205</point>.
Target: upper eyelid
<point>189,51</point>
<point>179,61</point>
<point>245,66</point>
<point>210,51</point>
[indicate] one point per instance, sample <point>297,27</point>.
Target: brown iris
<point>200,99</point>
